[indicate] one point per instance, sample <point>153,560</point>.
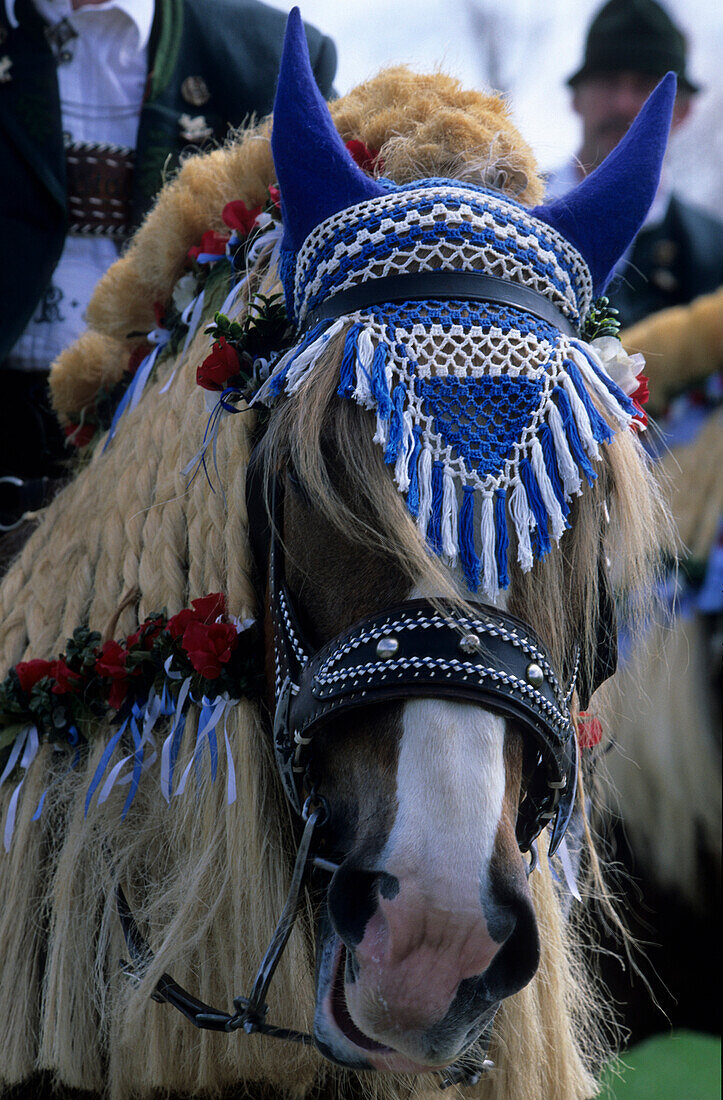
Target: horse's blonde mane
<point>206,880</point>
<point>663,718</point>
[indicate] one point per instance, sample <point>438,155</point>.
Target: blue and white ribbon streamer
<point>159,337</point>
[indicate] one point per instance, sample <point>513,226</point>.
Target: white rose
<point>622,368</point>
<point>184,292</point>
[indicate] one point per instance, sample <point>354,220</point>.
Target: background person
<point>98,100</point>
<point>678,255</point>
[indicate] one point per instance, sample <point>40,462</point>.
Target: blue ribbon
<point>99,771</point>
<point>137,758</point>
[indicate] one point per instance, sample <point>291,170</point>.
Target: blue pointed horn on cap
<point>315,172</point>
<point>603,214</point>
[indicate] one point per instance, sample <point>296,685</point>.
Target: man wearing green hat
<point>678,255</point>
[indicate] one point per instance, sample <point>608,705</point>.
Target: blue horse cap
<point>317,176</point>
<point>492,415</point>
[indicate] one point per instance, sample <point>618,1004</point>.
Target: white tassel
<point>582,420</point>
<point>304,364</point>
<point>365,354</point>
<point>425,490</point>
<point>524,521</point>
<point>566,464</point>
<point>552,504</point>
<point>381,435</point>
<point>262,392</point>
<point>449,518</point>
<point>488,543</point>
<point>606,399</point>
<point>401,468</point>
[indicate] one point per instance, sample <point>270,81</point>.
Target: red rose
<point>212,243</point>
<point>178,624</point>
<point>216,369</point>
<point>30,672</point>
<point>206,609</point>
<point>209,647</point>
<point>111,661</point>
<point>146,634</point>
<point>237,216</point>
<point>275,196</point>
<point>136,357</point>
<point>589,731</point>
<point>211,607</point>
<point>65,679</point>
<point>365,157</point>
<point>80,435</point>
<point>111,665</point>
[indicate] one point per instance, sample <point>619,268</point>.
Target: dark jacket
<point>234,45</point>
<point>670,264</point>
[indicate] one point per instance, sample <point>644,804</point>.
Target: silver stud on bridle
<point>388,647</point>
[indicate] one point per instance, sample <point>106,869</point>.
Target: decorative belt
<point>99,178</point>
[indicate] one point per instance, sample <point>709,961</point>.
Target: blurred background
<point>527,49</point>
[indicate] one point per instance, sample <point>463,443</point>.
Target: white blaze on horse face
<point>429,931</point>
<point>450,790</point>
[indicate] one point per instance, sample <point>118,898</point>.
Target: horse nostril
<point>353,899</point>
<point>517,960</point>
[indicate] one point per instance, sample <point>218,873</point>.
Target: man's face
<point>607,103</point>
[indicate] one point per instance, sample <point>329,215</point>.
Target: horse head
<point>438,333</point>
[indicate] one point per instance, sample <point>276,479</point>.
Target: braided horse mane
<point>129,536</point>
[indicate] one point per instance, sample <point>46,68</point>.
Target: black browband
<point>440,285</point>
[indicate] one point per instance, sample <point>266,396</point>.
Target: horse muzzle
<point>406,984</point>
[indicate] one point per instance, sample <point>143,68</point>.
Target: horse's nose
<point>501,942</point>
<point>512,922</point>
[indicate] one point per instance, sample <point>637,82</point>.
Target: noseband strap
<point>418,650</point>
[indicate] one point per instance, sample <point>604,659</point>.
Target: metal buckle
<point>283,743</point>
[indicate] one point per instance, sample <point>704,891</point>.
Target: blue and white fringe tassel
<point>480,450</point>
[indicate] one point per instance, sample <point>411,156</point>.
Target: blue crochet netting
<point>466,315</point>
<point>484,411</point>
<point>481,418</point>
<point>390,231</point>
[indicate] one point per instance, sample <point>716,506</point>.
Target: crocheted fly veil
<point>463,313</point>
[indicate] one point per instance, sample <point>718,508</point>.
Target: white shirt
<point>101,92</point>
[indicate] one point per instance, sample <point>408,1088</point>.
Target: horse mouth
<point>339,1038</point>
<point>340,1009</point>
